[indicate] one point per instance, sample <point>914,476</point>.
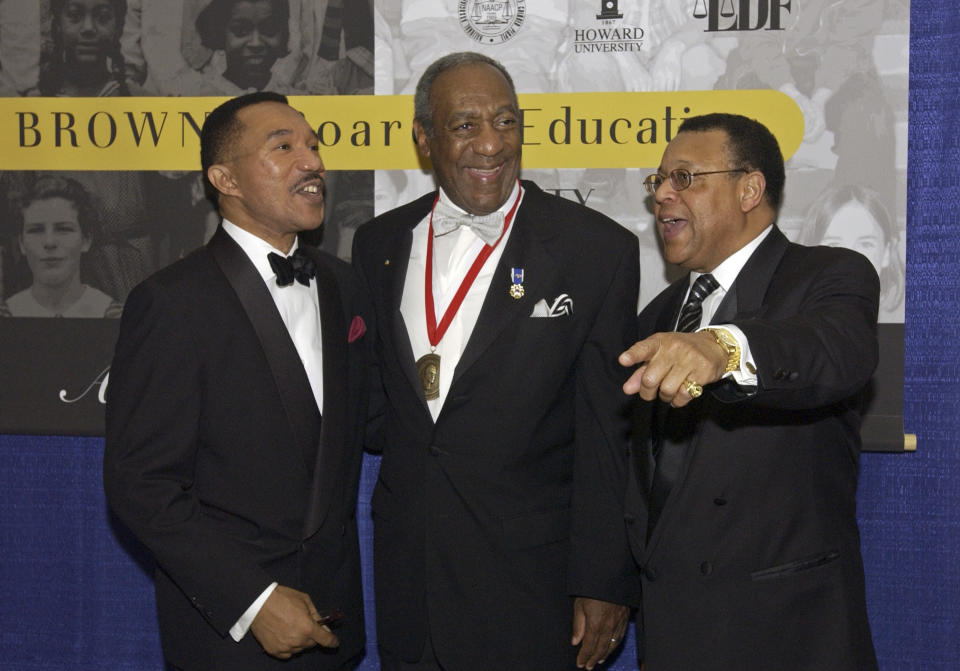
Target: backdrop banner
<point>100,185</point>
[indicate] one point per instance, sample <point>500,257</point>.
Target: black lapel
<point>662,413</point>
<point>727,309</point>
<point>658,317</point>
<point>288,373</point>
<point>746,294</point>
<point>334,430</point>
<point>667,320</point>
<point>395,276</point>
<point>530,247</point>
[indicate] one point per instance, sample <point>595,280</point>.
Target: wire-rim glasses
<point>680,178</point>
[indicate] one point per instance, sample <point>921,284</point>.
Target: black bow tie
<point>298,266</point>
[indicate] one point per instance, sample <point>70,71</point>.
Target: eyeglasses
<point>680,178</point>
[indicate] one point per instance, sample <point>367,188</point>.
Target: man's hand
<point>598,628</point>
<point>667,360</point>
<point>288,624</point>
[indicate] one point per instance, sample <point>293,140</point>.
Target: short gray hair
<point>423,105</point>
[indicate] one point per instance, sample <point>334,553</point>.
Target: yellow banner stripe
<point>561,130</point>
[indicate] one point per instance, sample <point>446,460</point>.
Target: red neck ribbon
<point>435,331</point>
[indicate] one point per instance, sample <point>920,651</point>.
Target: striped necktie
<point>692,310</point>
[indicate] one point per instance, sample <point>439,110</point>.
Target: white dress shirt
<point>299,308</point>
<point>725,274</point>
<point>453,254</point>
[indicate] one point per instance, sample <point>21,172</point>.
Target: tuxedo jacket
<point>755,561</point>
<point>219,461</point>
<point>489,520</point>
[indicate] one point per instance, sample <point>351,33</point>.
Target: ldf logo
<point>742,15</point>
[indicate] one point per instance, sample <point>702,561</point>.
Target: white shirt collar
<point>256,248</point>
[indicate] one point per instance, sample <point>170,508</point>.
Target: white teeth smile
<point>313,188</point>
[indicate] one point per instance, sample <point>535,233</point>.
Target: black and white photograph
<point>74,243</point>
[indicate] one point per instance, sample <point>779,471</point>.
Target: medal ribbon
<point>435,331</point>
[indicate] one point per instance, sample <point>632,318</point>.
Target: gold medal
<point>428,370</point>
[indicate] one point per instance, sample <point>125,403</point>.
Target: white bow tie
<point>447,219</point>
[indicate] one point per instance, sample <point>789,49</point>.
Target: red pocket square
<point>357,329</point>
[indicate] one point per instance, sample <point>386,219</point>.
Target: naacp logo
<point>491,22</point>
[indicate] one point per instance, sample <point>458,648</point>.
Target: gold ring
<point>692,388</point>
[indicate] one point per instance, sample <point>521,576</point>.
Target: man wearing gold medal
<point>499,536</point>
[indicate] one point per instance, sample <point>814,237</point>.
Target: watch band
<point>729,345</point>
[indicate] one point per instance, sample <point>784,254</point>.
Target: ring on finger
<point>692,388</point>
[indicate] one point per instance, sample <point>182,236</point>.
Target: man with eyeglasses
<point>751,371</point>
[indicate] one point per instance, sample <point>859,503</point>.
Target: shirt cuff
<point>240,628</point>
<point>746,375</point>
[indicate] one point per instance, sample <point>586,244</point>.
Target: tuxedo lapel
<point>530,247</point>
<point>664,322</point>
<point>333,430</point>
<point>751,284</point>
<point>395,275</point>
<point>727,309</point>
<point>667,320</point>
<point>288,373</point>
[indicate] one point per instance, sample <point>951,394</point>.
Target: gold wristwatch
<point>729,345</point>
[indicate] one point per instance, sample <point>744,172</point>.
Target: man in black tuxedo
<point>741,501</point>
<point>498,533</point>
<point>217,456</point>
